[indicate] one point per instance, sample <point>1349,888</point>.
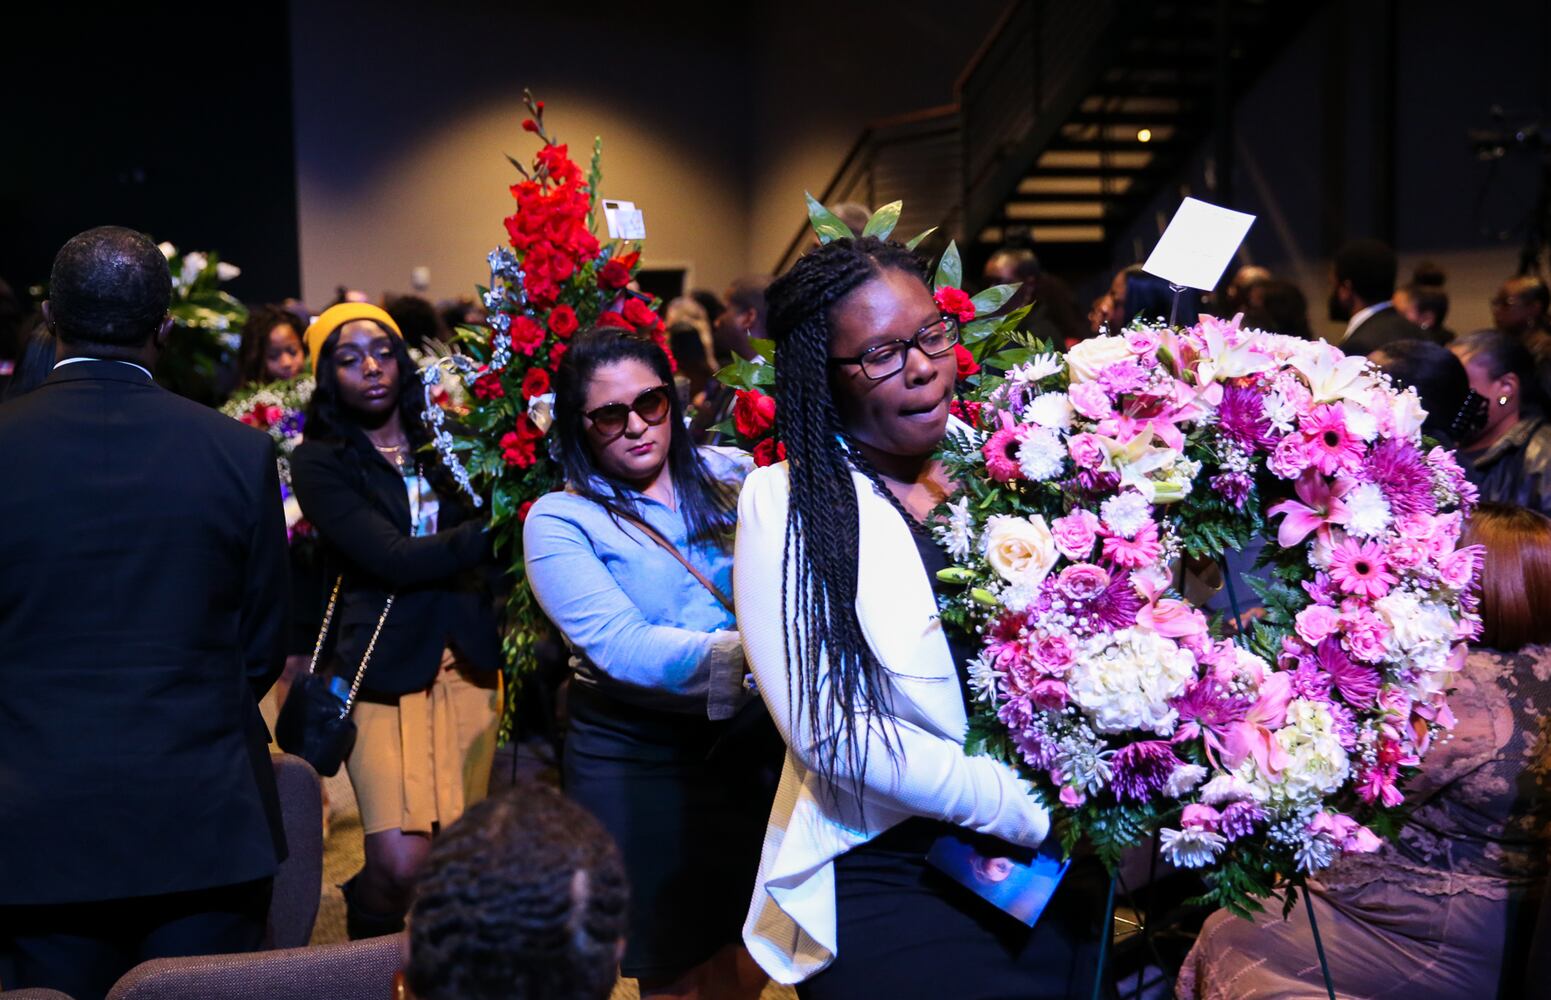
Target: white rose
<point>1021,550</point>
<point>168,250</point>
<point>1095,354</point>
<point>226,272</point>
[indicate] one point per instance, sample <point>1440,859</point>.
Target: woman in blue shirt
<point>632,562</point>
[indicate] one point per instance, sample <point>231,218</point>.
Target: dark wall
<point>170,118</point>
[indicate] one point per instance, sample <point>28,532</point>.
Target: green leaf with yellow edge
<point>884,220</point>
<point>825,223</point>
<point>950,270</point>
<point>918,238</point>
<point>764,348</point>
<point>744,374</point>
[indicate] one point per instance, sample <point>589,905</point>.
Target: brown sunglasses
<point>651,406</point>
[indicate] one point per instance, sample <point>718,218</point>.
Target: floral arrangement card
<point>1200,240</point>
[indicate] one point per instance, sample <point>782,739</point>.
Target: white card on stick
<point>625,221</point>
<point>1198,244</point>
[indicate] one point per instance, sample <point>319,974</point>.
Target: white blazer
<point>790,929</point>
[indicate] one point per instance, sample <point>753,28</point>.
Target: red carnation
<point>768,452</point>
<point>527,335</point>
<point>613,275</point>
<point>967,412</point>
<point>613,321</point>
<point>966,361</point>
<point>489,386</point>
<point>753,413</point>
<point>535,383</point>
<point>640,314</point>
<point>522,510</point>
<point>562,320</point>
<point>955,302</point>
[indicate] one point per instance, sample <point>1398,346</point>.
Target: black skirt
<point>687,800</point>
<point>907,931</point>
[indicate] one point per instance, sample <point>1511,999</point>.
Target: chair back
<point>357,970</point>
<point>299,880</point>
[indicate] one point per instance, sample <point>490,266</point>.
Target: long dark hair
<point>833,670</point>
<point>328,419</point>
<point>251,355</point>
<point>709,506</point>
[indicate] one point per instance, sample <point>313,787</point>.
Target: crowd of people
<point>764,730</point>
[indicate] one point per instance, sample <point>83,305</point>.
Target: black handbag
<point>315,721</point>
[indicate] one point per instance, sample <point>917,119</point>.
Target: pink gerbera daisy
<point>1142,549</point>
<point>1361,569</point>
<point>1001,453</point>
<point>1331,447</point>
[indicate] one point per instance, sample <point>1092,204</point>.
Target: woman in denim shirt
<point>659,666</point>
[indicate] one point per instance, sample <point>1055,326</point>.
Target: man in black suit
<point>143,588</point>
<point>1362,285</point>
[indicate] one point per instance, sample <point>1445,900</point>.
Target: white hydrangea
<point>1041,455</point>
<point>1124,680</point>
<point>1316,763</point>
<point>1051,409</point>
<point>1421,634</point>
<point>1126,513</point>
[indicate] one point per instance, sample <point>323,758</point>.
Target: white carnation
<point>1360,421</point>
<point>1041,455</point>
<point>1367,512</point>
<point>1125,679</point>
<point>1052,409</point>
<point>1182,779</point>
<point>1126,514</point>
<point>1230,788</point>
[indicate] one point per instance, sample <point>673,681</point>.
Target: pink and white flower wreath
<point>1093,480</point>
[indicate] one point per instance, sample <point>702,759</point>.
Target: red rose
<point>519,447</point>
<point>535,383</point>
<point>556,353</point>
<point>768,452</point>
<point>640,314</point>
<point>753,413</point>
<point>562,320</point>
<point>955,302</point>
<point>613,321</point>
<point>527,335</point>
<point>613,275</point>
<point>967,363</point>
<point>489,386</point>
<point>522,510</point>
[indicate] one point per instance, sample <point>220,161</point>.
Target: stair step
<point>1047,235</point>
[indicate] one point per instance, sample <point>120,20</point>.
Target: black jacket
<point>142,612</point>
<point>357,502</point>
<point>1516,469</point>
<point>1385,327</point>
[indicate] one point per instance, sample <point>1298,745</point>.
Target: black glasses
<point>651,406</point>
<point>933,340</point>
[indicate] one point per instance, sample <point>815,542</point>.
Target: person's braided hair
<point>524,896</point>
<point>832,670</point>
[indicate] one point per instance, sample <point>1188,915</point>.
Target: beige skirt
<point>418,764</point>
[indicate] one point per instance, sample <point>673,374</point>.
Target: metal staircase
<point>1073,115</point>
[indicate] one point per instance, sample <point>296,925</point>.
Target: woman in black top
<point>397,525</point>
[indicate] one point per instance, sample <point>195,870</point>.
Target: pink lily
<point>1166,616</point>
<point>1320,507</point>
<point>1255,736</point>
<point>1346,832</point>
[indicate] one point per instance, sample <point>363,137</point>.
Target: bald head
<point>109,286</point>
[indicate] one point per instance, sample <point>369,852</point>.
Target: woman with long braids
<point>834,584</point>
<point>633,563</point>
<point>395,524</point>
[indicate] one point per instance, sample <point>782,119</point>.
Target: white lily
<point>1331,375</point>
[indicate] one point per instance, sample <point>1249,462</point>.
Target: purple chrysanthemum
<point>1115,607</point>
<point>1239,819</point>
<point>1357,682</point>
<point>1140,770</point>
<point>1210,704</point>
<point>1233,487</point>
<point>1242,419</point>
<point>1399,471</point>
<point>1309,681</point>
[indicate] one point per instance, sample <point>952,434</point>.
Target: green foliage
<point>950,270</point>
<point>916,240</point>
<point>825,223</point>
<point>745,374</point>
<point>884,220</point>
<point>993,298</point>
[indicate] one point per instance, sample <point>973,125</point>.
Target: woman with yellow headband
<point>397,526</point>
